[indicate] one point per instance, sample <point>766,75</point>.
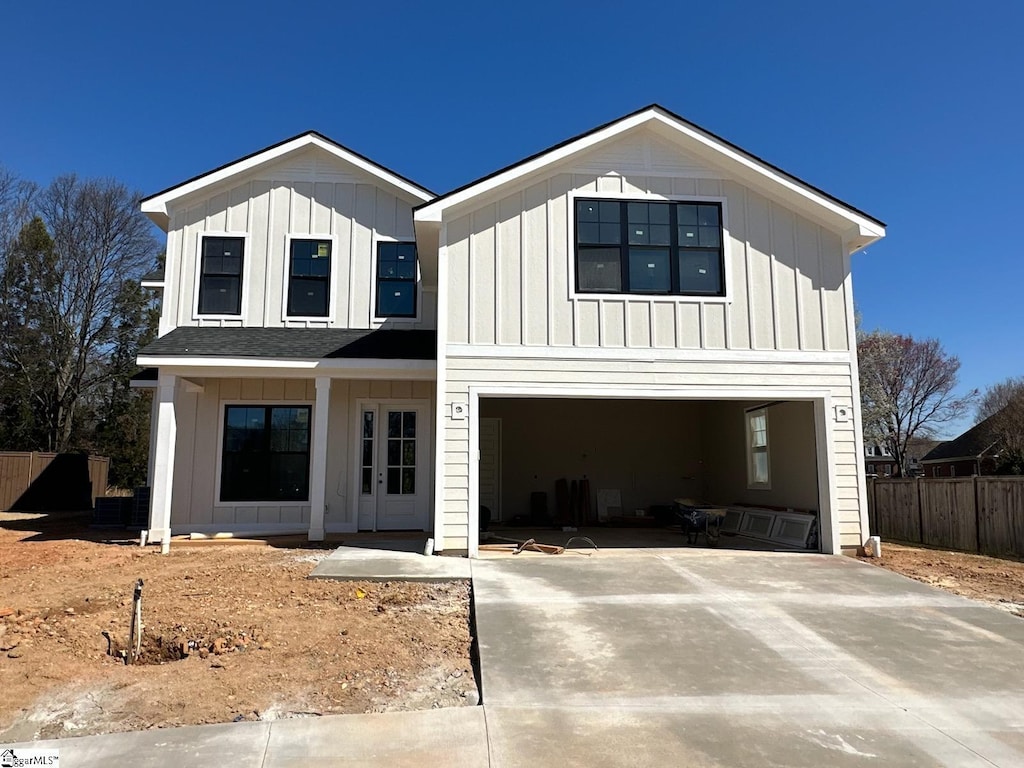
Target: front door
<point>394,470</point>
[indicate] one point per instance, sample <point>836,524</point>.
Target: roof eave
<point>156,206</point>
<point>861,229</point>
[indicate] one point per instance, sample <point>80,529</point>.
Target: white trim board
<point>642,354</point>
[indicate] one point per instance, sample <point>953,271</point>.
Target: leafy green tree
<point>28,330</point>
<point>68,321</point>
<point>123,414</point>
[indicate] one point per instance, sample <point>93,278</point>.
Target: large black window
<point>220,280</point>
<point>661,248</point>
<point>309,277</point>
<point>266,453</point>
<point>396,280</point>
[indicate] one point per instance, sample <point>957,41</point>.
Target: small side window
<point>758,472</point>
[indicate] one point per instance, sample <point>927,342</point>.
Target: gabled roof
<point>155,206</point>
<point>295,343</point>
<point>863,228</point>
<point>976,442</point>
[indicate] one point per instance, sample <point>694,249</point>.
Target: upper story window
<point>659,248</point>
<point>309,277</point>
<point>396,280</point>
<point>220,279</point>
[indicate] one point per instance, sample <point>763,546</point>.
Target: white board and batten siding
<point>512,315</point>
<point>196,505</point>
<point>306,195</point>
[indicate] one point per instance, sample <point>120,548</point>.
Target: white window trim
<point>332,281</point>
<point>751,484</point>
<point>375,319</point>
<point>647,298</point>
<point>222,413</point>
<point>246,271</point>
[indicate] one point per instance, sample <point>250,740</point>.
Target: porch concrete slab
<point>718,658</point>
<point>364,564</point>
<point>433,737</point>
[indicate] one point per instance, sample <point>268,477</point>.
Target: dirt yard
<point>990,579</point>
<point>232,633</point>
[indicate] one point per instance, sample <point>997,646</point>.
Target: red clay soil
<point>993,580</point>
<point>231,633</point>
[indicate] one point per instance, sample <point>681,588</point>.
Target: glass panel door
<point>366,460</point>
<point>401,453</point>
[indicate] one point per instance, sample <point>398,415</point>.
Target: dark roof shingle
<point>975,442</point>
<point>296,343</point>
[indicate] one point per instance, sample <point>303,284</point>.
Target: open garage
<point>625,471</point>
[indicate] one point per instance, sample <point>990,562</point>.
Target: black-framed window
<point>220,279</point>
<point>309,278</point>
<point>643,247</point>
<point>396,280</point>
<point>265,453</point>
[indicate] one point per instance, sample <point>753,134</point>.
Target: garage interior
<point>639,458</point>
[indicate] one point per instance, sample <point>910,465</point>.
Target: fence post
<point>920,511</point>
<point>977,516</point>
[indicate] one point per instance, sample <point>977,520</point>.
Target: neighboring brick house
<point>878,463</point>
<point>975,452</point>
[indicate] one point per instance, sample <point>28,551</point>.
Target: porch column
<point>166,428</point>
<point>318,470</point>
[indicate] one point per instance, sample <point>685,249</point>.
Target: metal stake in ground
<point>135,636</point>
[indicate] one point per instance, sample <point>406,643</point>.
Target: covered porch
<point>254,446</point>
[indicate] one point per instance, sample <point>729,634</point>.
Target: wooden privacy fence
<point>974,514</point>
<point>51,482</point>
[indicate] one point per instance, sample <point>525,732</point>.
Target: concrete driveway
<point>672,657</point>
<point>705,658</point>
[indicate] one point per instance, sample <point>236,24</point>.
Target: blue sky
<point>911,111</point>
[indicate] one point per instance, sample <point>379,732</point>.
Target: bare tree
<point>73,291</point>
<point>907,390</point>
<point>15,209</point>
<point>1002,405</point>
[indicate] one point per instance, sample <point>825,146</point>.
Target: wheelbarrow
<point>696,519</point>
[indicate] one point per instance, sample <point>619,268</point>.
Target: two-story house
<point>646,305</point>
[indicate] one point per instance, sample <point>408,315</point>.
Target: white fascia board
<point>248,366</point>
<point>152,284</point>
<point>156,207</point>
<point>435,211</point>
<point>142,384</point>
